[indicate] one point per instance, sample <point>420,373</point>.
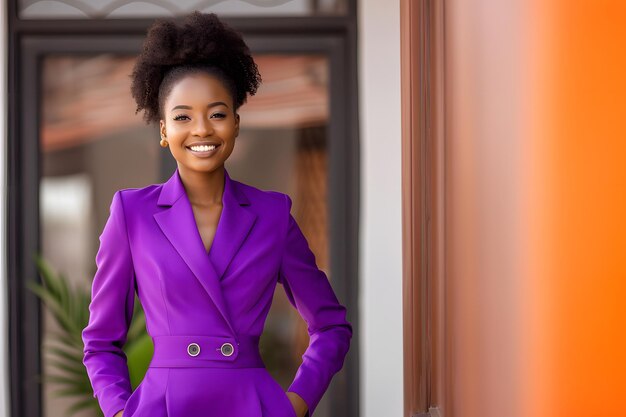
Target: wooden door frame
<point>423,273</point>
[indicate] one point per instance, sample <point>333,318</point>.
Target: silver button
<point>227,349</point>
<point>193,349</point>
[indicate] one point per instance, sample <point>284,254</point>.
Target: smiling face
<point>198,115</point>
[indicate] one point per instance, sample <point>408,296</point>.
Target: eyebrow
<point>216,103</point>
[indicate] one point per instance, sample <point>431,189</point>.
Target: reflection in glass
<point>106,9</point>
<point>93,144</point>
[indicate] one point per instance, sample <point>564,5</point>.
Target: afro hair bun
<point>201,41</point>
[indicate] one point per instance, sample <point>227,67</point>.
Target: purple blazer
<point>205,311</point>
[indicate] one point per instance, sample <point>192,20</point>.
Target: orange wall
<point>535,206</point>
<point>576,210</point>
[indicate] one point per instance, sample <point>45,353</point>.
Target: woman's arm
<point>298,404</point>
<point>110,313</point>
<point>309,291</point>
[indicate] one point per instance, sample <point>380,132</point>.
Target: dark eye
<point>180,117</point>
<point>219,115</point>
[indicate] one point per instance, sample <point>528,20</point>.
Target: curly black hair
<point>201,43</point>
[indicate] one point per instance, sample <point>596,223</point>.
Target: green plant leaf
<point>64,347</point>
<point>81,405</point>
<point>68,367</point>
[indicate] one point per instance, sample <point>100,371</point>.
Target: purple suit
<point>206,312</point>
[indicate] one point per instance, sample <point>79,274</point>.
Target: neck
<point>203,188</point>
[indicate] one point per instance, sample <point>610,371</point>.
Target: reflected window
<point>115,9</point>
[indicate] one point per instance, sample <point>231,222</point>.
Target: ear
<point>162,128</point>
<point>237,118</point>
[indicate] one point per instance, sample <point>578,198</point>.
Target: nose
<point>202,127</point>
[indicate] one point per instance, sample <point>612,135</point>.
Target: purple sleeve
<point>110,313</point>
<point>309,291</point>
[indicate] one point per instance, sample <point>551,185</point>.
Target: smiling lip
<point>203,154</point>
<point>203,143</point>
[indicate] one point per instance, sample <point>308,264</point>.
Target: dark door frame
<point>30,40</point>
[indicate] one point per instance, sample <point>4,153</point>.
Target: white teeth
<point>203,148</point>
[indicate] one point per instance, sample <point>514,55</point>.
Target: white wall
<point>4,303</point>
<point>381,382</point>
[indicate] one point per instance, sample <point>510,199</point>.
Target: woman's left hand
<point>299,405</point>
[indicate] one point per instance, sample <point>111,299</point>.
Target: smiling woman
<point>204,253</point>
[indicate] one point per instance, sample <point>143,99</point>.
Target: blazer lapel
<point>233,228</point>
<point>179,226</point>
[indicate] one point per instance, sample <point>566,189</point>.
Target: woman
<point>204,253</point>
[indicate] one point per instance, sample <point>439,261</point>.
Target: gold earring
<point>163,142</point>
